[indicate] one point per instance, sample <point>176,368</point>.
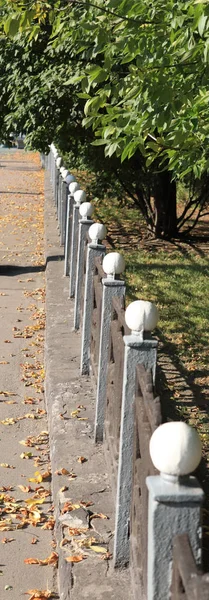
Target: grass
<point>175,277</point>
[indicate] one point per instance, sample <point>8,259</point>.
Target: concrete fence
<point>157,500</point>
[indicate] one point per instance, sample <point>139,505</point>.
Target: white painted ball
<point>97,231</point>
<point>113,263</point>
<point>141,315</point>
<point>65,174</point>
<point>73,187</point>
<point>62,169</point>
<point>59,161</point>
<point>175,448</point>
<point>79,196</point>
<point>70,178</point>
<point>86,210</point>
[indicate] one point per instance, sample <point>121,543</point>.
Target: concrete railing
<point>127,420</point>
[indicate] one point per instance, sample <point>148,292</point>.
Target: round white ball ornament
<point>79,196</point>
<point>59,162</point>
<point>86,210</point>
<point>141,315</point>
<point>175,448</point>
<point>73,187</point>
<point>113,263</point>
<point>97,231</point>
<point>65,173</point>
<point>70,178</point>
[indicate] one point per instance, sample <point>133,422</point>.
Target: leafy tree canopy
<point>137,70</point>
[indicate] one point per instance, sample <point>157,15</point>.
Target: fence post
<point>86,211</point>
<point>79,197</point>
<point>175,500</point>
<point>63,210</point>
<point>97,232</point>
<point>140,348</point>
<point>73,187</point>
<point>57,175</point>
<point>53,172</point>
<point>113,264</point>
<point>62,170</point>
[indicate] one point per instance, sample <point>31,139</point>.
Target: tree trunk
<point>165,225</point>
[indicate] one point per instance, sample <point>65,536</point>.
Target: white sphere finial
<point>73,187</point>
<point>70,178</point>
<point>79,196</point>
<point>64,173</point>
<point>141,315</point>
<point>97,232</point>
<point>59,161</point>
<point>175,449</point>
<point>62,169</point>
<point>113,264</point>
<point>86,210</point>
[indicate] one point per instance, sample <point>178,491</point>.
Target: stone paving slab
<point>71,437</point>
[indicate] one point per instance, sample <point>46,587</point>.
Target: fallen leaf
<point>34,540</point>
<point>26,455</point>
<point>25,488</point>
<point>7,394</point>
<point>7,540</point>
<point>81,459</point>
<point>98,516</point>
<point>75,559</point>
<point>40,594</point>
<point>8,587</point>
<point>50,560</point>
<point>77,530</point>
<point>100,549</point>
<point>62,472</point>
<point>6,466</point>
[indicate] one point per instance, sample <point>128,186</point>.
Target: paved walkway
<point>25,498</point>
<point>80,486</point>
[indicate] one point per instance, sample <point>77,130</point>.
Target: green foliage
<point>131,78</point>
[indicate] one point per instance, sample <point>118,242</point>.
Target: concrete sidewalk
<point>79,471</point>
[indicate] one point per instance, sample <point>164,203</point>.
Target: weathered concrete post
<point>73,187</point>
<point>63,207</point>
<point>79,197</point>
<point>113,265</point>
<point>97,232</point>
<point>59,212</point>
<point>51,160</point>
<point>175,500</point>
<point>86,211</point>
<point>57,174</point>
<point>54,169</point>
<point>140,348</point>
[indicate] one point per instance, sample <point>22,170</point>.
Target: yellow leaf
<point>99,549</point>
<point>26,455</point>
